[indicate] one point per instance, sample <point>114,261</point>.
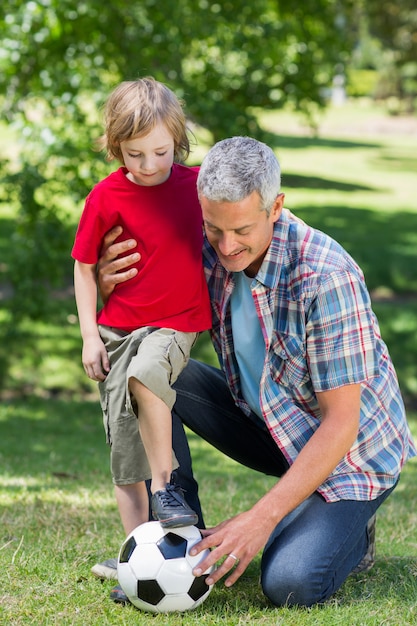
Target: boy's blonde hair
<point>134,108</point>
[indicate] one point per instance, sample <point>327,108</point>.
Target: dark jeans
<point>184,473</point>
<point>313,549</point>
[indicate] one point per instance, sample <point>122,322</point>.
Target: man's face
<point>240,232</point>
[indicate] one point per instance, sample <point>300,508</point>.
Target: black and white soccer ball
<point>155,568</point>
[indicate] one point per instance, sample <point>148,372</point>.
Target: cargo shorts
<point>156,357</point>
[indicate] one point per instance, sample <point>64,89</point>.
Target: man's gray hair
<point>236,167</point>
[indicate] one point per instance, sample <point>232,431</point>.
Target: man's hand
<point>239,539</point>
<point>109,265</point>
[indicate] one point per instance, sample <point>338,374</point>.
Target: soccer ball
<point>154,568</point>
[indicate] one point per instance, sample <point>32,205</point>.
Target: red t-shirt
<point>169,290</point>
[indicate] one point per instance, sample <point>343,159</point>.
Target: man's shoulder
<point>289,216</point>
<point>305,251</point>
<point>308,238</point>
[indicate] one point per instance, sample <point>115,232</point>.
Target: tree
<point>60,58</point>
<point>386,41</point>
<point>225,56</point>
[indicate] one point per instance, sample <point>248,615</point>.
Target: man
<point>306,392</point>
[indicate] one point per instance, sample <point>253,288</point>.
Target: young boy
<point>139,342</point>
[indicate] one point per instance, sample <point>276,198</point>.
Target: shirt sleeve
<point>341,333</point>
<point>90,232</point>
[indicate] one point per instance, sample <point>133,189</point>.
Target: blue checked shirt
<point>320,333</point>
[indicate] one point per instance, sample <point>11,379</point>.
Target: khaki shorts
<point>156,357</point>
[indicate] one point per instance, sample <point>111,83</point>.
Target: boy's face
<point>149,158</point>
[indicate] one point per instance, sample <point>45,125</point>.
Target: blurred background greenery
<point>331,85</point>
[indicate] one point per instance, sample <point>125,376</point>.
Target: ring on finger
<point>234,557</point>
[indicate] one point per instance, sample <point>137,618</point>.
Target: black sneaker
<point>368,560</point>
<point>118,595</point>
<point>170,508</point>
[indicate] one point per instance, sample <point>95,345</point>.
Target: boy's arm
<point>94,356</point>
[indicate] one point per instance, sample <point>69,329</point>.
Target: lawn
<point>58,517</point>
<point>355,180</point>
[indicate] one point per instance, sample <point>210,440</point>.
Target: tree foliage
<point>222,57</point>
<point>386,40</point>
<point>60,59</point>
<point>395,26</point>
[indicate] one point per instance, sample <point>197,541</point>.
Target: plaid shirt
<point>320,333</point>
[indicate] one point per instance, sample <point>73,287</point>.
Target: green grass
<point>58,517</point>
<point>57,510</point>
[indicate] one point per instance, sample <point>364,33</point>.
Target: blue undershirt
<point>248,341</point>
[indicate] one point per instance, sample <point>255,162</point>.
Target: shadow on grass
<point>316,182</point>
<point>395,163</point>
<point>300,142</point>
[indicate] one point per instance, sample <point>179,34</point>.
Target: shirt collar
<point>274,259</point>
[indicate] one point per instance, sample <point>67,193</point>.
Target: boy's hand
<point>95,359</point>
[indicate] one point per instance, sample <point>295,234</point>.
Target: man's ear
<point>277,207</point>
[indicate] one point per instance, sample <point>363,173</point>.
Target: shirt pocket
<point>288,365</point>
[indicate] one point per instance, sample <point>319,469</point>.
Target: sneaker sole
<point>178,522</point>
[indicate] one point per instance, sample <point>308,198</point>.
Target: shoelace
<point>171,496</point>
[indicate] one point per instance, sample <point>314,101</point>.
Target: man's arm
<point>248,532</point>
<point>109,266</point>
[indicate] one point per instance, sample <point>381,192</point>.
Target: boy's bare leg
<point>133,503</point>
<point>155,425</point>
